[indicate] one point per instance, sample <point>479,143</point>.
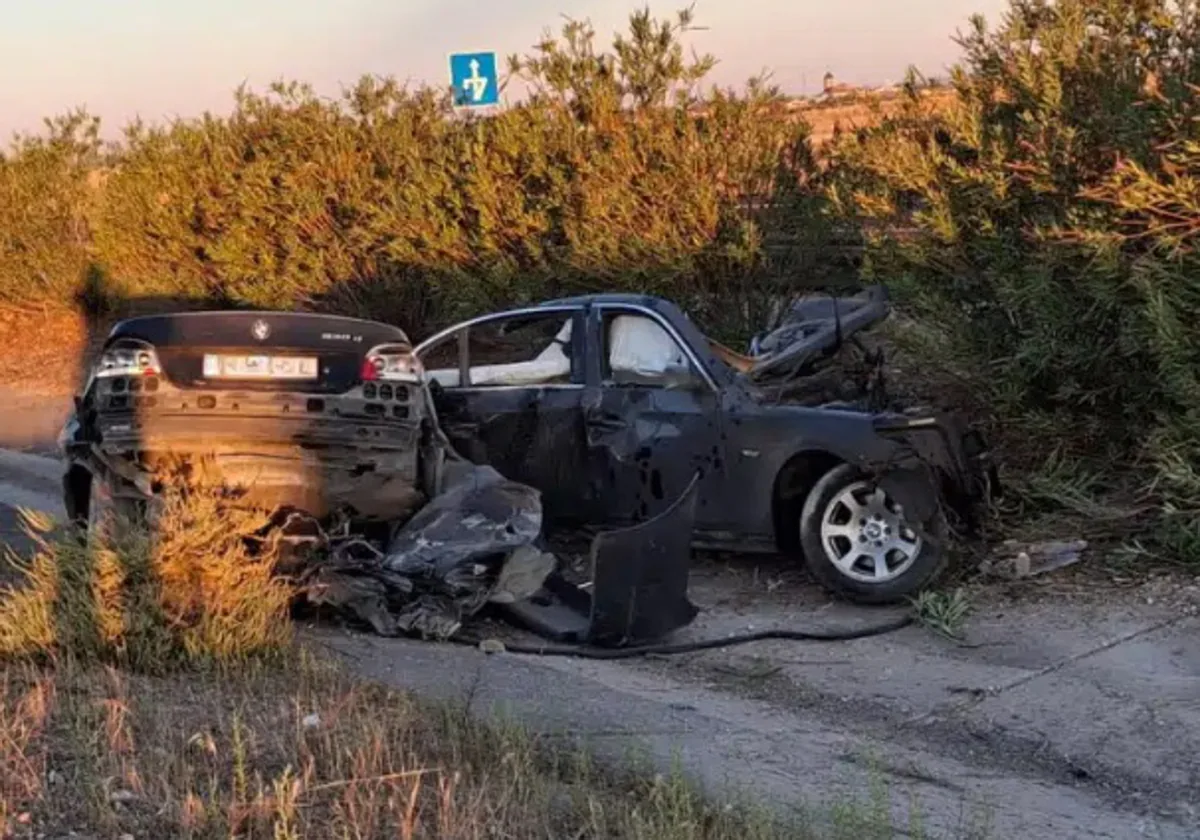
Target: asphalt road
<point>1062,730</point>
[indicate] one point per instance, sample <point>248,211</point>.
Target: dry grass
<point>303,752</point>
<point>150,687</point>
<point>192,590</point>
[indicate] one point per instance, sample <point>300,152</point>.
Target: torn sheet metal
<point>814,325</point>
<point>817,353</point>
<point>438,568</point>
<point>366,598</point>
<point>475,544</point>
<point>645,447</point>
<point>462,535</point>
<point>640,576</point>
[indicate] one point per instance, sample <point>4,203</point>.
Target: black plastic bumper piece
<point>639,585</point>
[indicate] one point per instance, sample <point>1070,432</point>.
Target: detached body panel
<point>638,586</point>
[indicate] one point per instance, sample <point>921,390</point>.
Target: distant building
<point>833,89</point>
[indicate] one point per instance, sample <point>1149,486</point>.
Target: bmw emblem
<point>261,330</point>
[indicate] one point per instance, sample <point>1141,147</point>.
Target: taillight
<point>390,363</point>
<point>128,358</point>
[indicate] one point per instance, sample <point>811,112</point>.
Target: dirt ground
<point>1066,681</point>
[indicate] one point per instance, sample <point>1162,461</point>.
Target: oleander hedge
<point>1050,222</point>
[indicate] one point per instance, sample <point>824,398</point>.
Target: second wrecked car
<point>312,412</point>
<point>610,403</point>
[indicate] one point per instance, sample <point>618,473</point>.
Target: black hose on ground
<point>588,652</point>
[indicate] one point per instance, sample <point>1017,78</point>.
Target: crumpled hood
<point>812,326</point>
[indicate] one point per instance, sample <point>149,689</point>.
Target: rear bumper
<point>191,432</point>
<point>317,464</point>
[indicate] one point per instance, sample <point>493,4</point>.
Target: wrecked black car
<point>327,422</point>
<point>610,404</point>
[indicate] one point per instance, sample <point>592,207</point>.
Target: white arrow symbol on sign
<point>475,84</point>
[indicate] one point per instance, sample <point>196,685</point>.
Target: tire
<point>848,524</point>
<point>105,508</point>
<point>101,508</point>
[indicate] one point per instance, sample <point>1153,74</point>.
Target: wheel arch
<point>793,482</point>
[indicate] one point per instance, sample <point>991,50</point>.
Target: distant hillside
<point>849,109</point>
<point>857,110</point>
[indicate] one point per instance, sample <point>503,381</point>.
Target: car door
<point>652,419</point>
<point>508,389</point>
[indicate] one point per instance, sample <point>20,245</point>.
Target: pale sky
<point>159,59</point>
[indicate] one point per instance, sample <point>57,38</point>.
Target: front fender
<point>847,435</point>
<point>763,445</point>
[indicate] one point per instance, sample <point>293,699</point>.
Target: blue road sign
<point>474,78</point>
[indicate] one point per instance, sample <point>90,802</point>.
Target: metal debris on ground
<point>470,544</point>
<point>523,574</point>
<point>406,530</point>
<point>477,543</point>
<point>1017,561</point>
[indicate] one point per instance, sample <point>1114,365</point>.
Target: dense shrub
<point>1041,227</point>
<point>45,199</point>
<point>1047,221</point>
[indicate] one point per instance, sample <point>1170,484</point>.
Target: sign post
<point>474,79</point>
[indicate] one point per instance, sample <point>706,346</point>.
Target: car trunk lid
<point>260,351</point>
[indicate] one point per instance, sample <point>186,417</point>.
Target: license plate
<point>259,367</point>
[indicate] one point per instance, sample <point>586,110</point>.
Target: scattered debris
<point>523,574</point>
<point>637,589</point>
<point>439,567</point>
<point>476,544</point>
<point>410,501</point>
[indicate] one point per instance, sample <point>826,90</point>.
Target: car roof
<point>608,297</point>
